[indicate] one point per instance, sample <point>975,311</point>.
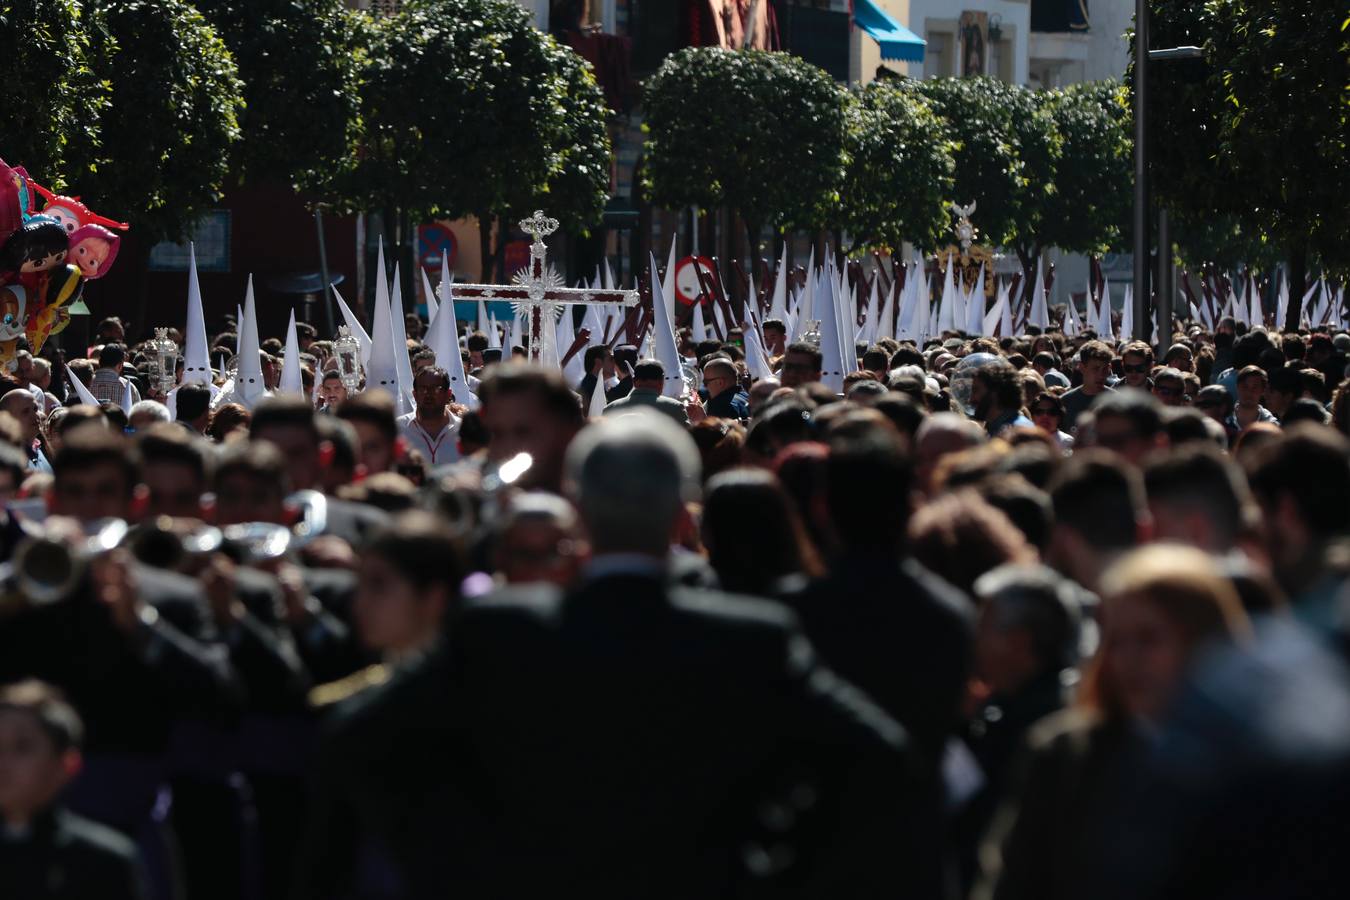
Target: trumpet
<point>49,568</point>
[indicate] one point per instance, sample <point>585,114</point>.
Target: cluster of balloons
<point>46,256</point>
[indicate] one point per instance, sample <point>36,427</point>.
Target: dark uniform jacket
<point>65,857</point>
<point>628,740</point>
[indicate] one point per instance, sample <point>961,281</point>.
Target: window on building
<point>939,54</point>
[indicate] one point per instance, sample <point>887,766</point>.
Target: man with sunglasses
<point>725,399</point>
<point>1136,361</point>
<point>1169,387</point>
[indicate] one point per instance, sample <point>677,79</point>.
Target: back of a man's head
<point>1100,496</point>
<point>1040,601</point>
<point>867,475</point>
<point>1308,469</point>
<point>1199,478</point>
<point>649,372</point>
<point>630,476</point>
<point>192,401</point>
<point>111,356</point>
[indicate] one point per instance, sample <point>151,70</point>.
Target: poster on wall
<point>974,29</point>
<point>211,239</point>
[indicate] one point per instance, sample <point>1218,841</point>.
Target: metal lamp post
<point>1142,56</point>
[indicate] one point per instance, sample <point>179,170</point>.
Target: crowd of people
<point>1032,617</point>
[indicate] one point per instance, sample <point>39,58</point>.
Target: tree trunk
<point>1298,277</point>
<point>485,248</point>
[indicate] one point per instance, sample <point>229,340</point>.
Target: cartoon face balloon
<point>41,244</point>
<point>71,213</point>
<point>93,248</point>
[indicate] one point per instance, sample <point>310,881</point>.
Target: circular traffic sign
<point>687,286</point>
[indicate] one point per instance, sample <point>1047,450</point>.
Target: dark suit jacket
<point>1052,840</point>
<point>130,689</point>
<point>901,634</point>
<point>624,741</point>
<point>65,857</point>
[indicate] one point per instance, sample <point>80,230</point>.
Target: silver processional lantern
<point>163,361</point>
<point>347,352</point>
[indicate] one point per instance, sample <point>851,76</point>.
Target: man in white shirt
<point>432,430</point>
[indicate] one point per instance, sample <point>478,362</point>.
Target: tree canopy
<point>899,176</point>
<point>759,132</point>
<point>51,100</point>
<point>164,143</point>
<point>301,65</point>
<point>1265,120</point>
<point>1089,209</point>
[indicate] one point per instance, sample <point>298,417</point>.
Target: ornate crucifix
<point>538,289</point>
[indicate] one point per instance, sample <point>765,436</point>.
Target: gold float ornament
<point>969,257</point>
<point>968,266</point>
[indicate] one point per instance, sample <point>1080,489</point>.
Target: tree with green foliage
<point>51,100</point>
<point>301,65</point>
<point>1259,131</point>
<point>899,177</point>
<point>761,133</point>
<point>1008,149</point>
<point>578,186</point>
<point>466,111</point>
<point>1089,209</point>
<point>987,163</point>
<point>164,143</point>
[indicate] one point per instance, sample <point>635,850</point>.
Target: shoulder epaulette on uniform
<point>336,691</point>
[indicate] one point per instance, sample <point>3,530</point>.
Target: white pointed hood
<point>831,347</point>
<point>778,307</point>
<point>290,381</point>
<point>401,358</point>
<point>1126,313</point>
<point>663,338</point>
<point>698,330</point>
<point>886,315</point>
<point>596,407</point>
<point>975,307</point>
<point>249,386</point>
<point>429,295</point>
<point>85,395</point>
<point>382,370</point>
<point>575,369</point>
<point>196,358</point>
<point>1104,311</point>
<point>668,283</point>
<point>1039,314</point>
<point>443,339</point>
<point>806,307</point>
<point>354,326</point>
<point>947,308</point>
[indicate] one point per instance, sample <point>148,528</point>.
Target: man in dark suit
<point>627,739</point>
<point>882,620</point>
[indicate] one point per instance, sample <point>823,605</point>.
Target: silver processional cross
<point>538,290</point>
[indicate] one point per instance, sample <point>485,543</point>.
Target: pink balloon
<point>93,248</point>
